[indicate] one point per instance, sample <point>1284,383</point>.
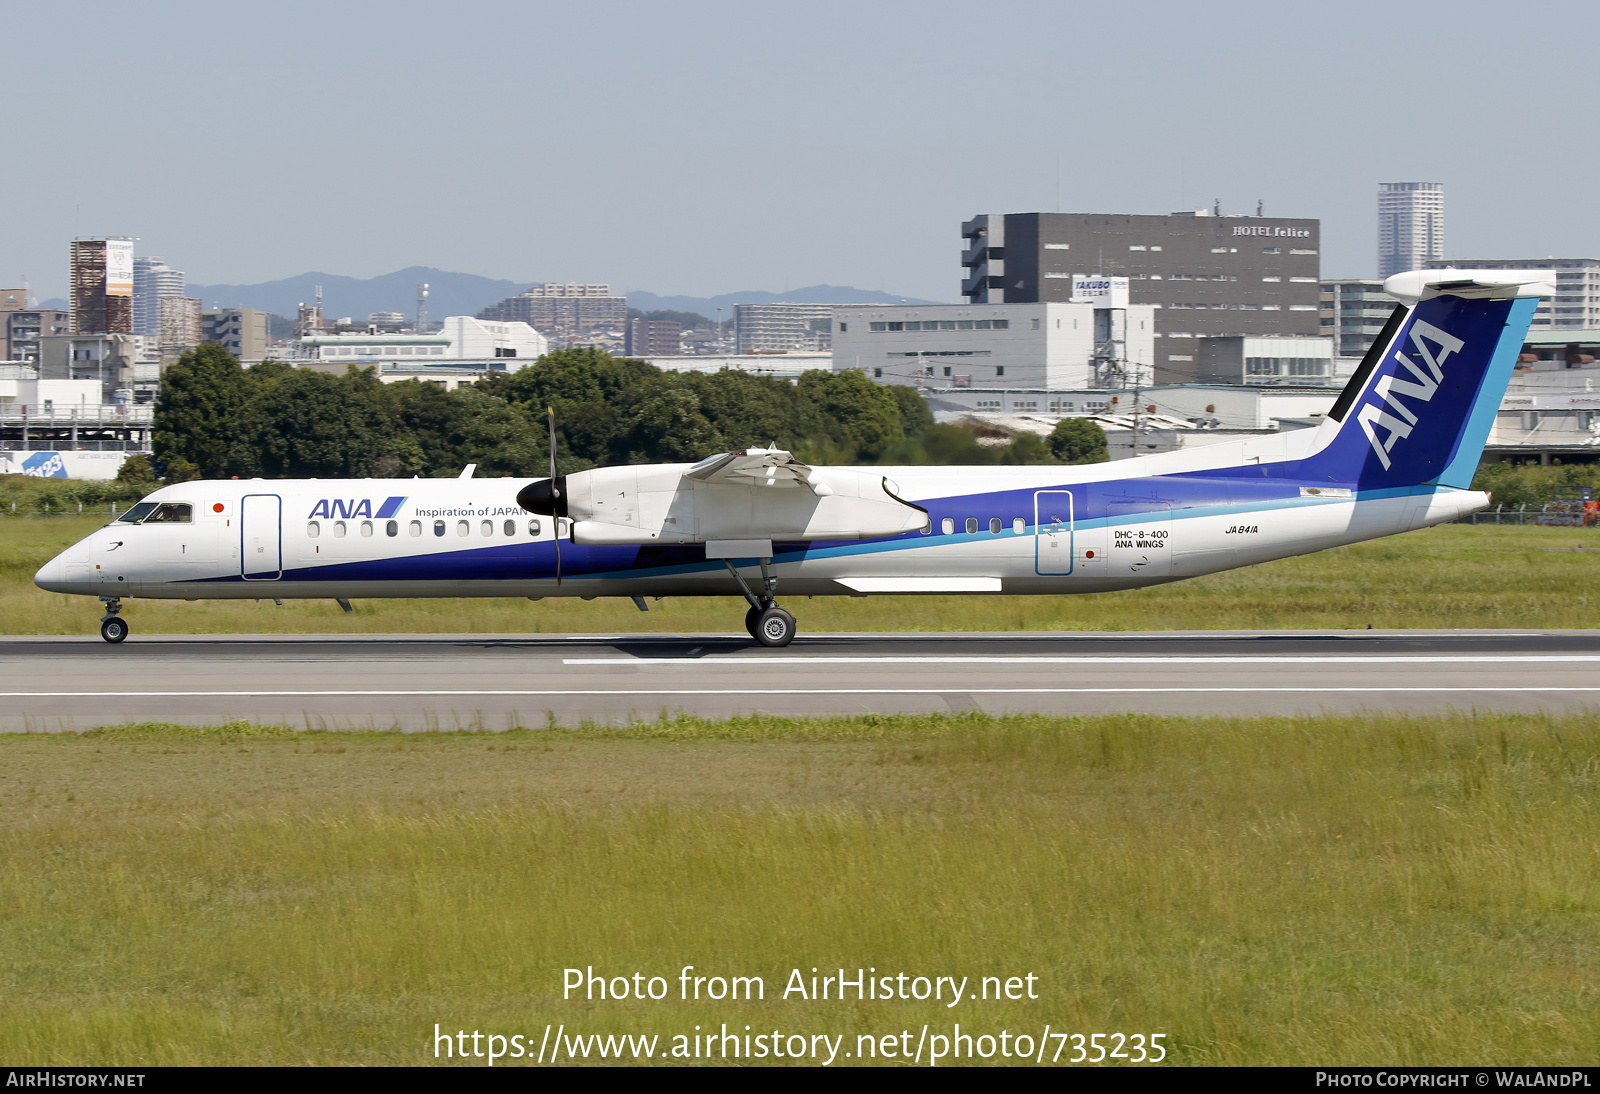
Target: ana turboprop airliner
<point>1396,452</point>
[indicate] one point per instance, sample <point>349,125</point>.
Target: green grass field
<point>1450,576</point>
<point>1380,890</point>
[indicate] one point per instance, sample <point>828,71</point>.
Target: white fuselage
<point>1040,530</point>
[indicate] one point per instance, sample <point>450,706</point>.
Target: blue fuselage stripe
<point>537,560</point>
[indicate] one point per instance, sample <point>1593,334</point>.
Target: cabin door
<point>261,537</point>
<point>1052,531</point>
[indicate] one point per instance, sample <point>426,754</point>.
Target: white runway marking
<point>1106,659</point>
<point>1372,690</point>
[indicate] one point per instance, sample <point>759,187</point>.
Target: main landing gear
<point>767,623</point>
<point>113,628</point>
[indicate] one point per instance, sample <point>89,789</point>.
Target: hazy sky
<point>701,148</point>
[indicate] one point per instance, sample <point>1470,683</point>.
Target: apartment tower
<point>153,279</point>
<point>1410,227</point>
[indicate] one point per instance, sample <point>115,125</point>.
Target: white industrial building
<point>783,366</point>
<point>58,427</point>
<point>1163,418</point>
<point>1216,406</point>
<point>1049,346</point>
<point>1211,406</point>
<point>20,386</point>
<point>1298,360</point>
<point>463,352</point>
<point>479,338</point>
<point>1551,408</point>
<point>462,338</point>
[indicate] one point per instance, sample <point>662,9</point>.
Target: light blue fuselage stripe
<point>869,547</point>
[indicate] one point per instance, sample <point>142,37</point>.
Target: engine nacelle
<point>661,504</point>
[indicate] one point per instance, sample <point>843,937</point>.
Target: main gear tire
<point>775,628</point>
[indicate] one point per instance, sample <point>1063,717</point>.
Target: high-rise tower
<point>1410,226</point>
<point>152,280</point>
<point>101,286</point>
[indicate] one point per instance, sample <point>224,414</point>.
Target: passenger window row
<point>947,526</point>
<point>486,529</point>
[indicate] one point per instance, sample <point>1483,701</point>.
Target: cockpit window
<point>171,512</point>
<point>158,512</point>
<point>137,513</point>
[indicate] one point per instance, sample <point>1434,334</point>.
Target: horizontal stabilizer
<point>1414,286</point>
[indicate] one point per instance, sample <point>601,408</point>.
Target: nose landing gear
<point>765,621</point>
<point>113,628</point>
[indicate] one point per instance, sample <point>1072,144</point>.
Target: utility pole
<point>1138,406</point>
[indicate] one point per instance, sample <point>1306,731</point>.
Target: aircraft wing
<point>755,467</point>
<point>721,498</point>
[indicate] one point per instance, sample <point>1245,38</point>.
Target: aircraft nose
<point>52,576</point>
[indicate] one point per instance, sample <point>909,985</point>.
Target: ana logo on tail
<point>1398,425</point>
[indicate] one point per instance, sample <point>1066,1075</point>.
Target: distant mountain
<point>467,294</point>
<point>55,303</point>
<point>814,294</point>
<point>448,293</point>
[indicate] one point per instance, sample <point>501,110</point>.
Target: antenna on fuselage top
<point>555,491</point>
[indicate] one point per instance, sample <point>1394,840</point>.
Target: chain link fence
<point>1557,514</point>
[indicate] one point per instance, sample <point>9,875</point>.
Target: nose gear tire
<point>114,630</point>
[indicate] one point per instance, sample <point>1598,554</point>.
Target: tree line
<point>216,419</point>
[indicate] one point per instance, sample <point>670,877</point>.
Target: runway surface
<point>494,681</point>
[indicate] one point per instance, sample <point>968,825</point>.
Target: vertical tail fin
<point>1419,408</point>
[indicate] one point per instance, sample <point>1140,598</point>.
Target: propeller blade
<point>550,415</point>
<point>555,488</point>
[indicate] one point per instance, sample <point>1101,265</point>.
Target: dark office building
<point>654,338</point>
<point>1205,274</point>
<point>24,329</point>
